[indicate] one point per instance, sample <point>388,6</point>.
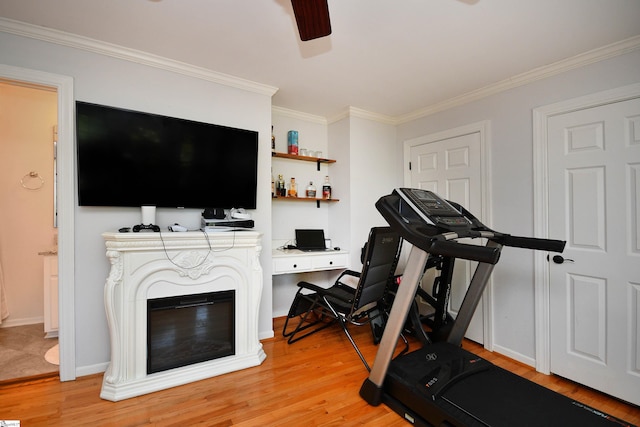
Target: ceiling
<point>390,57</point>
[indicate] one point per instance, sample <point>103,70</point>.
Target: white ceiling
<point>390,57</point>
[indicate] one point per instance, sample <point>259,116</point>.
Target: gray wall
<point>510,113</point>
<point>111,81</point>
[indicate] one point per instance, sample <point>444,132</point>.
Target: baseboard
<point>515,355</point>
<point>98,368</point>
<point>9,323</point>
<point>265,335</point>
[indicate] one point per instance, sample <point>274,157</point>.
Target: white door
<point>450,165</point>
<point>594,204</point>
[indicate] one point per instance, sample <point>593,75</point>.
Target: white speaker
<point>148,215</point>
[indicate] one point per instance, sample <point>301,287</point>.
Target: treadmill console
<point>433,209</point>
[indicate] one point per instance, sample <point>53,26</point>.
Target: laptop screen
<point>310,240</point>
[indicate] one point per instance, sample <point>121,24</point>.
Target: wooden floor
<point>313,382</point>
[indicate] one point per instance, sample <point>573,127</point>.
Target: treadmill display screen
<point>432,208</point>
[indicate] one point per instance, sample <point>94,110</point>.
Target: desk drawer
<point>291,265</point>
<point>329,261</point>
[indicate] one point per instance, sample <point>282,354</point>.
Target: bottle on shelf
<point>311,190</point>
<point>293,188</point>
<point>273,185</point>
<point>326,188</point>
<point>292,142</point>
<point>281,190</point>
<point>273,141</point>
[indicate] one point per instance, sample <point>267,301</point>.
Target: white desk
<point>287,261</point>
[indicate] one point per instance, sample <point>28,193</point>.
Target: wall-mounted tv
<point>131,158</point>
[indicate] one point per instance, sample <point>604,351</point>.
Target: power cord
<point>206,236</point>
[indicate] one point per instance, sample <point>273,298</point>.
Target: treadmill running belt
<point>443,384</point>
<point>499,398</point>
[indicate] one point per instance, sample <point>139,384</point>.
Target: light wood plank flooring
<point>314,382</point>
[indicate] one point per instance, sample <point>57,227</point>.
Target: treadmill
<point>441,384</point>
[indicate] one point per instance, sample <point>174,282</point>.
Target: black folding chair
<point>317,308</point>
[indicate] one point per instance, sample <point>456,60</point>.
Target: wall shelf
<point>317,160</point>
<point>306,199</point>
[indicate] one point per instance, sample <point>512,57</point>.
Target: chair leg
<point>343,324</point>
<point>346,331</point>
<point>294,338</point>
<point>302,326</point>
<point>299,301</point>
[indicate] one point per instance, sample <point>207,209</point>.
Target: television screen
<point>131,158</point>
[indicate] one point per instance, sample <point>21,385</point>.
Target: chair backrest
<point>378,266</point>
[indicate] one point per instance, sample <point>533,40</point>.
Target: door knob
<point>559,259</point>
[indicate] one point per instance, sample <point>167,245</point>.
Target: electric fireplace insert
<point>188,329</point>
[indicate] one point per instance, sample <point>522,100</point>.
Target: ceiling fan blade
<point>312,17</point>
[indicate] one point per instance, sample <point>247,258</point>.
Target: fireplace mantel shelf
<point>151,265</point>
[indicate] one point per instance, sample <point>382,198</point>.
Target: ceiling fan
<point>312,17</point>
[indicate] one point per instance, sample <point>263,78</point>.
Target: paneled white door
<point>450,165</point>
<point>594,204</point>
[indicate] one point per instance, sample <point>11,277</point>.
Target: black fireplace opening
<point>188,329</point>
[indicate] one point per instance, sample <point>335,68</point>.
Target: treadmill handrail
<point>464,251</point>
<point>532,243</point>
<point>481,230</point>
<point>440,240</point>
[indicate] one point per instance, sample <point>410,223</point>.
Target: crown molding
<point>347,112</point>
<point>102,48</point>
<point>362,114</point>
<point>339,116</point>
<point>577,61</point>
<point>84,43</point>
<point>369,115</point>
<point>281,111</point>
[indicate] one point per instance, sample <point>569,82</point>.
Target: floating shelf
<point>305,199</point>
<point>317,160</point>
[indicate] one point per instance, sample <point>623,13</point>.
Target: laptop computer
<point>310,240</point>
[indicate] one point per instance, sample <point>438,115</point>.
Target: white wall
<point>366,168</point>
<point>107,80</point>
<point>287,215</point>
<point>312,134</point>
<point>361,175</point>
<point>510,113</point>
<point>374,161</point>
<point>340,212</point>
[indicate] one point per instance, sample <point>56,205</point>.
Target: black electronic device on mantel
<point>213,213</point>
<point>132,158</point>
<point>440,384</point>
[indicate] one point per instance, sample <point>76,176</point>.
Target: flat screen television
<point>131,158</point>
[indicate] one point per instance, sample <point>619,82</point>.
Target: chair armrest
<point>349,273</point>
<point>334,291</point>
<point>311,287</point>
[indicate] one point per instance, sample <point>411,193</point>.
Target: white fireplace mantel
<point>149,265</point>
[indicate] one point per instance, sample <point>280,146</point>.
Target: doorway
<point>588,171</point>
<point>454,164</point>
<point>65,206</point>
<point>28,236</point>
